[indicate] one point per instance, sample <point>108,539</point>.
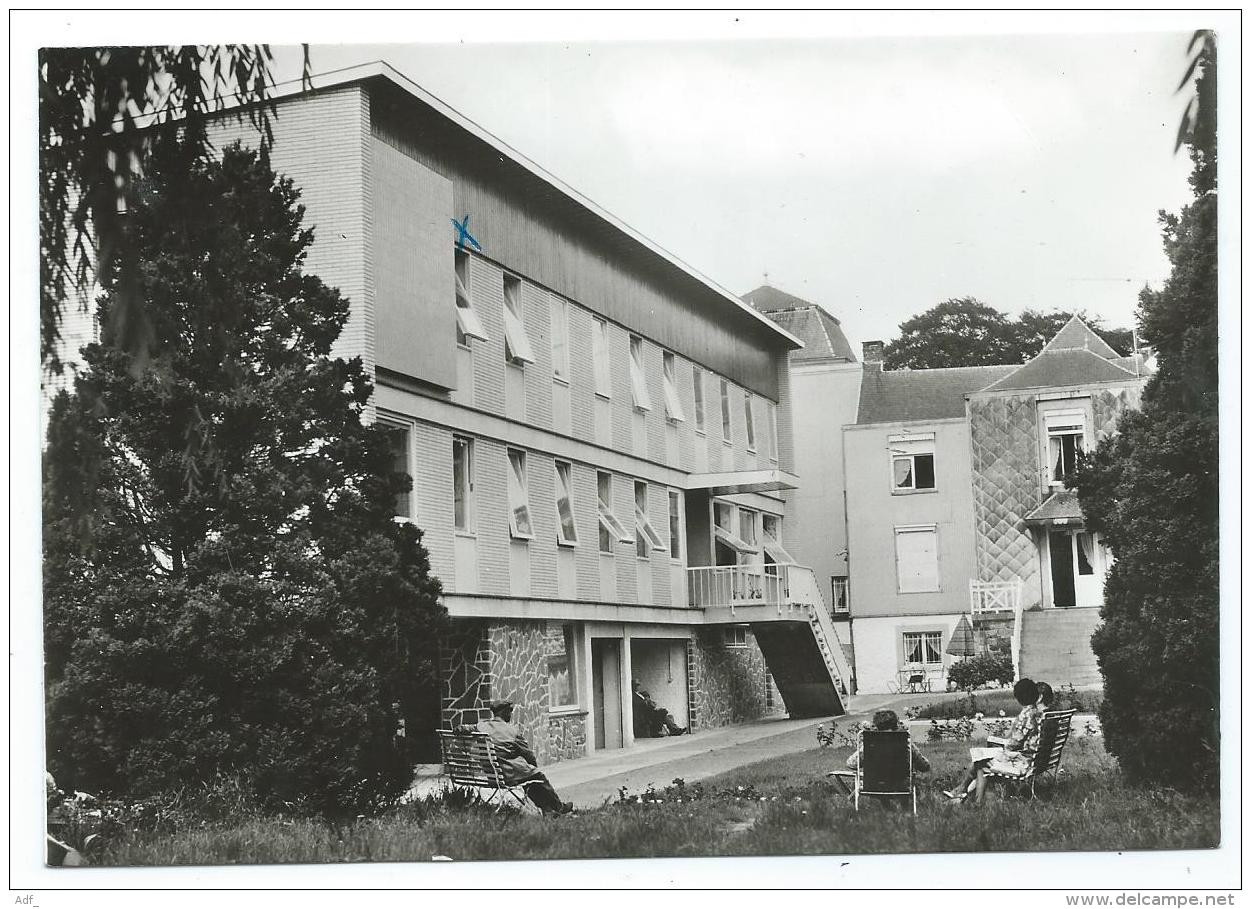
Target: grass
<point>800,814</point>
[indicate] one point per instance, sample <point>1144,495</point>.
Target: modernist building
<point>956,508</point>
<point>599,437</point>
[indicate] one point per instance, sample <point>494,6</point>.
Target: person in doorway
<point>662,721</point>
<point>517,759</point>
<point>1012,755</point>
<point>641,712</point>
<point>883,721</point>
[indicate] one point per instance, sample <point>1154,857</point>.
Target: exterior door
<point>1063,591</point>
<point>606,680</point>
<point>1087,570</point>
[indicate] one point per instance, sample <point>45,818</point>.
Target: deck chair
<point>470,760</point>
<point>1056,725</point>
<point>884,766</point>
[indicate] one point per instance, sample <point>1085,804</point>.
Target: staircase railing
<point>805,591</point>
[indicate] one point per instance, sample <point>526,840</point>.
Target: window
<point>638,379</point>
<point>517,350</point>
<point>397,438</point>
<point>751,423</point>
<point>610,529</point>
<point>912,462</point>
<point>566,529</point>
<point>923,646</point>
<point>771,528</point>
<point>699,399</point>
<point>559,310</point>
<point>916,559</point>
<point>734,636</point>
<point>675,525</point>
<point>773,431</point>
<point>840,590</point>
<point>562,687</point>
<point>725,410</point>
<point>468,325</point>
<point>1085,554</point>
<point>723,518</point>
<point>747,527</point>
<point>1065,438</point>
<point>646,539</point>
<point>462,483</point>
<point>599,353</point>
<point>518,497</point>
<point>673,404</point>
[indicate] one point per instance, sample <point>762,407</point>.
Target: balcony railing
<point>739,585</point>
<point>994,596</point>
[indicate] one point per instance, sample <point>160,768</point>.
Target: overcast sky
<point>876,176</point>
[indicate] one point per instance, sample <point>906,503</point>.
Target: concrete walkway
<point>590,782</point>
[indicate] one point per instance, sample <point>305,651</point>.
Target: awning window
<point>775,550</point>
<point>734,541</point>
<point>466,315</point>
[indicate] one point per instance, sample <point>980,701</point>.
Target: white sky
<point>876,176</point>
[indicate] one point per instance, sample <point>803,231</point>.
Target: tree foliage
<point>964,331</point>
<point>1152,491</point>
<point>226,590</point>
<point>102,111</point>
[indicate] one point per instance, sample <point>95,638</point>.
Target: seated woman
<point>1013,755</point>
<point>883,721</point>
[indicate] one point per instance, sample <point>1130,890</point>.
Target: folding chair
<point>884,766</point>
<point>470,760</point>
<point>1056,726</point>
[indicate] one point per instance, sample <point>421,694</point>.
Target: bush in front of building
<point>1153,491</point>
<point>227,593</point>
<point>980,670</point>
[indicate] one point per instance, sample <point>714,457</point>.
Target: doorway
<point>659,666</point>
<point>1076,569</point>
<point>606,682</point>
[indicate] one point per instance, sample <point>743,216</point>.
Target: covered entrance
<point>1074,561</point>
<point>606,682</point>
<point>659,666</point>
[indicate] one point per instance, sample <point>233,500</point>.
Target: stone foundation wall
<point>566,737</point>
<point>466,674</point>
<point>725,684</point>
<point>993,634</point>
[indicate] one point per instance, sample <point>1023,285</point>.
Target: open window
<point>699,398</point>
<point>468,325</point>
<point>566,527</point>
<point>599,356</point>
<point>646,539</point>
<point>771,540</point>
<point>726,532</point>
<point>1066,434</point>
<point>675,525</point>
<point>518,497</point>
<point>673,404</point>
<point>638,378</point>
<point>517,350</point>
<point>912,462</point>
<point>751,422</point>
<point>610,529</point>
<point>462,484</point>
<point>725,411</point>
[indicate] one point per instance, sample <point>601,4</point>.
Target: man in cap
<point>517,760</point>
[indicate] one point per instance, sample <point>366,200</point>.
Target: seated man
<point>883,721</point>
<point>650,719</point>
<point>517,760</point>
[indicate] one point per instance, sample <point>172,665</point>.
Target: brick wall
<point>433,496</point>
<point>537,316</point>
<point>486,287</point>
<point>491,502</point>
<point>541,473</point>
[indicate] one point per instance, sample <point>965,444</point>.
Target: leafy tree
<point>226,591</point>
<point>1152,491</point>
<point>966,332</point>
<point>101,113</point>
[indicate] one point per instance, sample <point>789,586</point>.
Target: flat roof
<point>380,69</point>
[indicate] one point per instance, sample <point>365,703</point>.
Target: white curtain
<point>1087,543</point>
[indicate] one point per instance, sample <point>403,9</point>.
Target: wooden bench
<point>1056,726</point>
<point>471,761</point>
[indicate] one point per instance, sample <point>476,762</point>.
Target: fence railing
<point>994,596</point>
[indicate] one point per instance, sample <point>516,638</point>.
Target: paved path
<point>590,782</point>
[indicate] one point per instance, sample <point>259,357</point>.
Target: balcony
<point>994,596</point>
<point>737,585</point>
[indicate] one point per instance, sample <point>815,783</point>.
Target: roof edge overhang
<point>1078,390</point>
<point>735,482</point>
<point>1059,509</point>
<point>381,70</point>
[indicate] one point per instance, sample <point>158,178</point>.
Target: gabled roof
<point>821,333</point>
<point>1075,356</point>
<point>1062,367</point>
<point>912,395</point>
<point>1060,507</point>
<point>1077,335</point>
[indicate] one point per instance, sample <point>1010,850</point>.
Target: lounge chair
<point>471,761</point>
<point>1056,725</point>
<point>884,766</point>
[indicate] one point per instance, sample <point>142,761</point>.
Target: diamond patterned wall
<point>1109,404</point>
<point>1006,487</point>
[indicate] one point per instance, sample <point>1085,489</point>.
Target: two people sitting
<point>1011,756</point>
<point>650,719</point>
<point>517,760</point>
<point>883,721</point>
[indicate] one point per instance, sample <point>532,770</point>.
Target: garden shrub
<point>981,669</point>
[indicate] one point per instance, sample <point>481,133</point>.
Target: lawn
<point>780,807</point>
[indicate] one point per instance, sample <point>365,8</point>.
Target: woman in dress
<point>1012,755</point>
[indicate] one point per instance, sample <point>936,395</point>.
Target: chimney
<point>872,353</point>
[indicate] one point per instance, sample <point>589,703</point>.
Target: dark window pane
<point>924,466</point>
